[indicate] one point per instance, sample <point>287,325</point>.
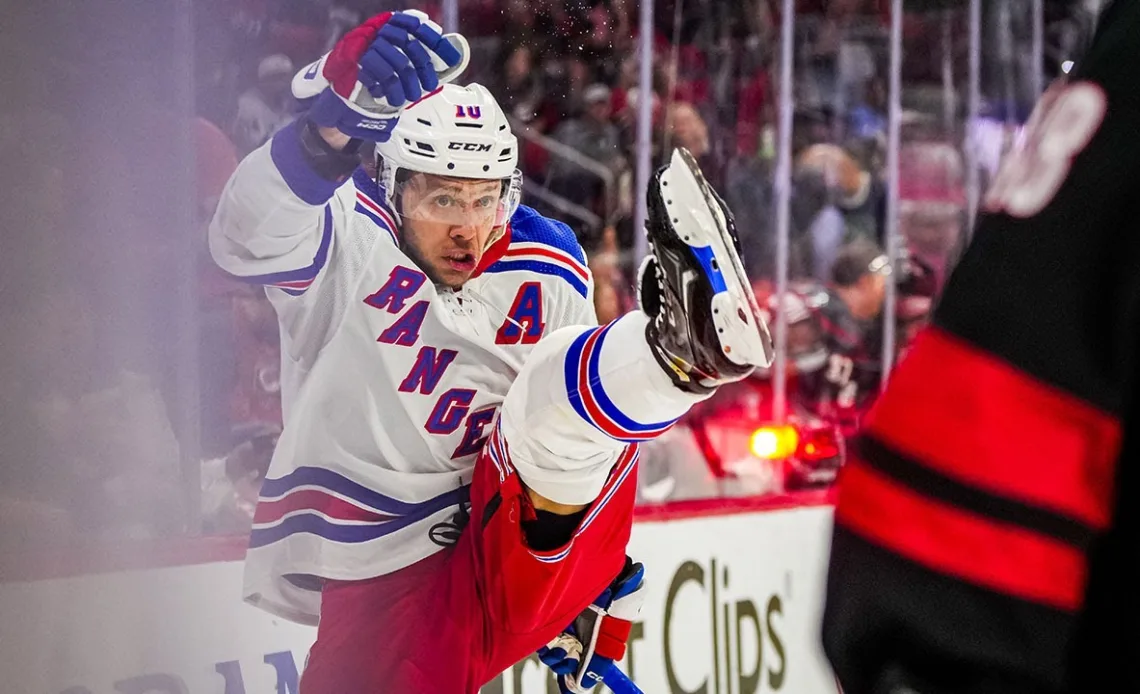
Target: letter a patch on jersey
<point>524,321</point>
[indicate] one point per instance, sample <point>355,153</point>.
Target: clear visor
<point>477,204</point>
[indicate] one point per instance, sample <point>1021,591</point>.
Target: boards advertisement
<point>733,606</point>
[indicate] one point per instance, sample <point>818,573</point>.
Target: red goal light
<point>774,442</point>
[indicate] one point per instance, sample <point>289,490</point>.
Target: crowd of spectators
<point>566,71</point>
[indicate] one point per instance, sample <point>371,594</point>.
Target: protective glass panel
<point>100,236</point>
<point>562,73</point>
<point>145,382</point>
<point>714,91</point>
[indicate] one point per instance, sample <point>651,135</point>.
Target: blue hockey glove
<point>586,651</point>
<point>376,70</point>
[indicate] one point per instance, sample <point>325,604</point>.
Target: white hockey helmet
<point>456,132</point>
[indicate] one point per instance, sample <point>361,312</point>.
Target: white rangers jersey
<point>390,385</point>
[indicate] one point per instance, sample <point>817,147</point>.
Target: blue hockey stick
<point>619,683</point>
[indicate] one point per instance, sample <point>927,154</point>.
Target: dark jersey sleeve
<point>985,538</point>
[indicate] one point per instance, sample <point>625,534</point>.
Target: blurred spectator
<point>750,197</point>
<point>854,302</point>
<point>578,78</point>
<point>859,195</point>
<point>595,136</point>
<point>216,159</point>
<point>628,118</point>
<point>836,61</point>
<point>807,351</point>
<point>688,129</point>
<point>608,301</point>
<point>516,25</point>
<point>520,89</point>
<point>934,234</point>
<point>811,126</point>
<point>298,29</point>
<point>256,396</point>
<point>230,484</point>
<point>867,112</point>
<point>913,316</point>
<point>859,280</point>
<point>932,205</point>
<point>592,133</point>
<point>90,437</point>
<point>826,232</point>
<point>754,104</point>
<point>612,298</point>
<point>816,230</point>
<point>267,106</point>
<point>627,80</point>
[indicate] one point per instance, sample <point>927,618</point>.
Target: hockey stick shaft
<point>619,683</point>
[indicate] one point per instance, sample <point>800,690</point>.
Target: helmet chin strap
<point>496,234</point>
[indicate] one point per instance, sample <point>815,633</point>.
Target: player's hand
<point>378,69</point>
<point>586,651</point>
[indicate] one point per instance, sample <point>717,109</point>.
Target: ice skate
<point>706,327</point>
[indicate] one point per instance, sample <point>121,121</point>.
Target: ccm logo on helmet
<point>468,147</point>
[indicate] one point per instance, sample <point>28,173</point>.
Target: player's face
<point>447,222</point>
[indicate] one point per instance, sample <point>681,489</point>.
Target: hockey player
<point>986,529</point>
<point>843,390</point>
<point>455,480</point>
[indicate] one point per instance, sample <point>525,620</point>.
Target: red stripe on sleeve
<point>564,258</point>
<point>977,419</point>
<point>314,500</point>
<point>998,556</point>
<point>495,253</point>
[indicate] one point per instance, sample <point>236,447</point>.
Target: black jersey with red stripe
<point>986,535</point>
<point>843,387</point>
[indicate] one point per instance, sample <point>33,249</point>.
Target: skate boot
<point>705,327</point>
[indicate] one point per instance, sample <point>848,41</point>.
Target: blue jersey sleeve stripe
<point>315,524</point>
<point>326,479</point>
<point>629,458</point>
<point>528,226</point>
<point>570,373</point>
<point>288,156</point>
<point>305,274</point>
<point>377,221</point>
<point>609,409</point>
<point>585,392</point>
<point>543,269</point>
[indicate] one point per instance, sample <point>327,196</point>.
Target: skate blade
<point>691,206</point>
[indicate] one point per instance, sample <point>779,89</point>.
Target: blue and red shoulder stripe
<point>545,246</point>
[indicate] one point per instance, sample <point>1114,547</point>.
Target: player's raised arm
<point>978,542</point>
<point>277,220</point>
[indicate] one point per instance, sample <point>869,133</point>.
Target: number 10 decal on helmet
<point>452,160</point>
